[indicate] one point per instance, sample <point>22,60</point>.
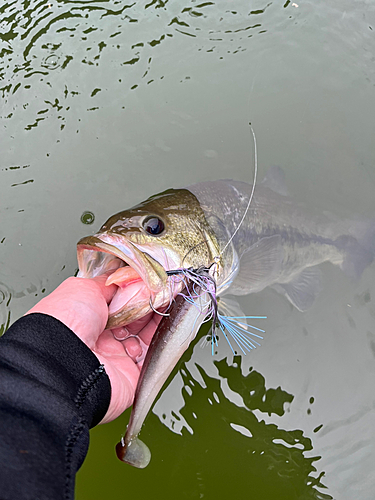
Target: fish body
<point>278,244</point>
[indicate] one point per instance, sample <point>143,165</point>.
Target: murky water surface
<point>104,103</point>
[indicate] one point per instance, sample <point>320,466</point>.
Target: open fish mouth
<point>141,279</point>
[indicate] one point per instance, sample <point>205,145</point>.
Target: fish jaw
<point>151,272</point>
<point>148,282</point>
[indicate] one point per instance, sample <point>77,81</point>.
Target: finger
<point>135,327</point>
<point>107,291</point>
<point>107,345</point>
<point>133,348</point>
<point>141,358</point>
<point>121,333</point>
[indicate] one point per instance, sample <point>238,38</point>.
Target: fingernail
<point>121,333</point>
<point>133,348</point>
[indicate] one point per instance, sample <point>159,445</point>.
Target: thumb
<point>107,291</point>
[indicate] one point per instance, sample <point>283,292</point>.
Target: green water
<point>104,103</point>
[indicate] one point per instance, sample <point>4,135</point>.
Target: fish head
<point>138,246</point>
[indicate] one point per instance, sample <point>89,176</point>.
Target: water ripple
<point>41,39</point>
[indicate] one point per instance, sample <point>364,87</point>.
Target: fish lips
<point>105,252</point>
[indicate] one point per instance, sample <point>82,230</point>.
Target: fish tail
<point>359,248</point>
<point>135,453</point>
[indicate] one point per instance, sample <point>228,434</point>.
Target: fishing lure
<point>236,326</point>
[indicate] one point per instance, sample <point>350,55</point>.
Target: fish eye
<point>153,225</point>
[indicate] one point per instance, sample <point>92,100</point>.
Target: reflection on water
<point>274,460</point>
<point>41,39</point>
<point>104,102</point>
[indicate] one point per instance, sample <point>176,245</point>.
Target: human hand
<point>81,304</point>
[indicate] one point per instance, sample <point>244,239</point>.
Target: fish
<point>173,336</point>
<point>155,249</point>
<point>278,244</point>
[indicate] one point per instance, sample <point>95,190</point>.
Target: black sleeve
<point>52,390</point>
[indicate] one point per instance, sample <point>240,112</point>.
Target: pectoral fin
<point>303,289</point>
<point>259,266</point>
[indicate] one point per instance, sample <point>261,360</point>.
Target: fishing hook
<point>158,312</point>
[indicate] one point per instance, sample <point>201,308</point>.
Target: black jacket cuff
<point>52,390</point>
